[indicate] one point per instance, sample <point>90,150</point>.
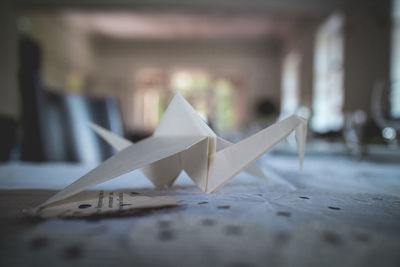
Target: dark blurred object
<point>329,136</point>
<point>354,132</point>
<point>390,127</point>
<point>266,113</point>
<point>265,108</point>
<point>136,136</point>
<point>7,137</point>
<point>30,91</point>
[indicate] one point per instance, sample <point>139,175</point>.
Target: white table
<point>338,212</point>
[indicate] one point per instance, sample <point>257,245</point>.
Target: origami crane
<point>184,142</point>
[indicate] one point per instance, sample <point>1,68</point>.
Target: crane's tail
<point>227,163</point>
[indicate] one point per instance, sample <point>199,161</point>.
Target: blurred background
<point>242,64</point>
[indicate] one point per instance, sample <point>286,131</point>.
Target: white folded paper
<point>184,142</point>
<point>90,203</point>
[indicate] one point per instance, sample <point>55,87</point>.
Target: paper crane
<point>184,142</point>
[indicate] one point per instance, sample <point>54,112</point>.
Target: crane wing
<point>226,163</point>
<point>140,154</point>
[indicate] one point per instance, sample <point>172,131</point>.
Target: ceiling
<point>182,25</point>
<point>274,6</point>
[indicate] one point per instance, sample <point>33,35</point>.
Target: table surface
<point>337,212</point>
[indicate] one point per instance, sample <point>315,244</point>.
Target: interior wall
<point>303,43</point>
<point>65,48</point>
<point>306,46</point>
<point>367,53</point>
<point>9,97</point>
<point>116,62</point>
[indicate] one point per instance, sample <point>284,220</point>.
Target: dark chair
<point>54,128</point>
<point>31,99</point>
<point>65,126</point>
<point>105,112</point>
<point>81,138</point>
<point>8,138</point>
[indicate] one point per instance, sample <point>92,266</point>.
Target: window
<point>290,84</point>
<point>328,76</point>
<point>215,95</point>
<point>395,68</point>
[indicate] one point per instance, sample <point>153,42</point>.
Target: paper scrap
<point>99,203</point>
<point>184,142</point>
